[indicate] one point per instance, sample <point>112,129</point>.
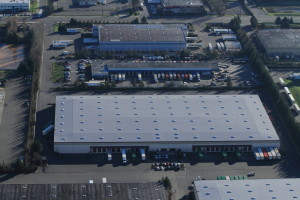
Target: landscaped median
<point>57,72</point>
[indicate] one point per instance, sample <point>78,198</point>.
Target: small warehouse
<point>140,37</point>
<point>229,37</point>
<point>233,46</point>
<point>280,42</point>
<point>101,70</point>
<point>249,189</point>
<point>143,123</point>
<point>183,6</point>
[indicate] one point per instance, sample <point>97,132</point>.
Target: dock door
<point>124,155</point>
<point>143,154</point>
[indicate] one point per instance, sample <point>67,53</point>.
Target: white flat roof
<point>162,118</point>
<point>13,1</point>
<point>254,189</point>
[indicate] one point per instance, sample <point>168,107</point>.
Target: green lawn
<point>34,5</point>
<point>294,87</point>
<point>55,28</point>
<point>57,72</point>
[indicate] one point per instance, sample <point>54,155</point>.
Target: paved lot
<point>276,74</point>
<point>82,168</point>
<point>14,118</point>
<point>68,170</point>
<point>234,8</point>
<point>112,7</point>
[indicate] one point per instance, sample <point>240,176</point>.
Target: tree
<point>36,147</point>
<point>135,21</point>
<point>253,22</point>
<point>62,27</point>
<point>285,23</point>
<point>134,4</point>
<point>207,27</point>
<point>235,23</point>
<point>167,183</point>
<point>278,21</point>
<point>263,26</point>
<point>291,21</point>
<point>144,20</point>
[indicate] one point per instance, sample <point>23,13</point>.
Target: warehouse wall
<point>184,146</point>
<point>140,46</point>
<point>283,51</point>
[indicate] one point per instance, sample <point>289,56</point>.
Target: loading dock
<point>124,155</point>
<point>143,154</point>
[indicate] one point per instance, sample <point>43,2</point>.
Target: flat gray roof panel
<point>279,38</point>
<point>161,118</point>
<point>251,189</point>
<point>115,33</point>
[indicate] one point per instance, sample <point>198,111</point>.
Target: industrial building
<point>14,5</point>
<point>139,38</point>
<point>91,2</point>
<point>101,70</point>
<point>143,123</point>
<point>249,189</point>
<point>233,46</point>
<point>77,191</point>
<point>280,42</point>
<point>183,6</point>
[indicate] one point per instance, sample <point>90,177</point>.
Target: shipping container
<point>48,129</point>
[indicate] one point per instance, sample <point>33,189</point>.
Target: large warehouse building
<point>142,123</point>
<point>101,70</point>
<point>14,6</point>
<point>139,37</point>
<point>183,6</point>
<point>254,189</point>
<point>280,42</point>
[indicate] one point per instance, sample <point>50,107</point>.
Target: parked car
<point>251,174</point>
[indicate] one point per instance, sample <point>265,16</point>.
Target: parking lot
<point>13,120</point>
<point>111,8</point>
<point>276,74</point>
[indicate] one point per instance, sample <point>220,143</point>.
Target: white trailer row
<point>297,109</point>
<point>118,77</point>
<point>220,46</point>
<point>173,76</point>
<point>73,30</point>
<point>266,153</point>
<point>281,81</point>
<point>210,47</point>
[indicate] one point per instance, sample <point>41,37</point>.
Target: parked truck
<point>210,48</point>
<point>73,30</point>
<point>48,129</point>
<point>281,81</point>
